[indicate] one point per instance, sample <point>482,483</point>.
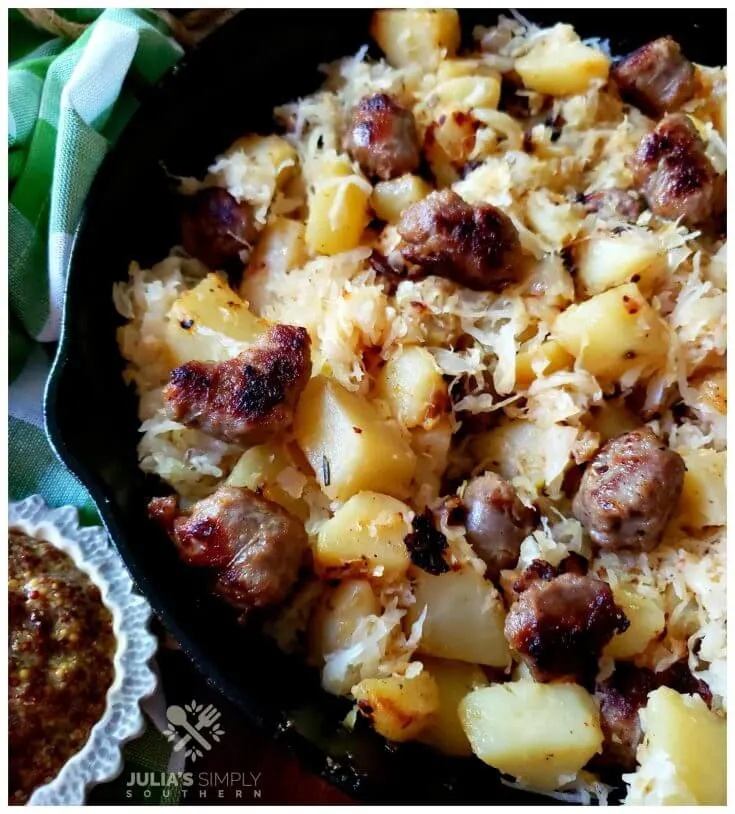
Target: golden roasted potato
<point>259,468</point>
<point>614,332</point>
<point>535,732</point>
<point>211,323</point>
<point>560,67</point>
<point>687,737</point>
<point>461,94</point>
<point>390,198</point>
<point>455,679</point>
<point>338,614</point>
<point>416,36</point>
<point>547,358</point>
<point>523,449</point>
<point>704,496</point>
<point>605,261</point>
<point>338,207</point>
<point>464,617</point>
<point>450,145</point>
<point>273,151</point>
<point>412,384</point>
<point>365,537</point>
<point>712,392</point>
<point>350,447</point>
<point>399,708</point>
<point>647,622</point>
<point>431,448</point>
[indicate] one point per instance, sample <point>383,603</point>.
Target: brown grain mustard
<point>60,661</point>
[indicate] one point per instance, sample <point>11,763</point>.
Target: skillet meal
<point>437,381</point>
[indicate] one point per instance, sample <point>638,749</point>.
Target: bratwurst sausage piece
<point>675,175</point>
<point>624,694</point>
<point>496,521</point>
<point>382,137</point>
<point>559,626</point>
<point>629,491</point>
<point>215,227</point>
<point>475,246</point>
<point>656,77</point>
<point>254,545</point>
<point>246,399</point>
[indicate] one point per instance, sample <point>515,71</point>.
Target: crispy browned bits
<point>382,137</point>
<point>60,661</point>
<point>629,491</point>
<point>215,227</point>
<point>475,246</point>
<point>656,77</point>
<point>559,626</point>
<point>246,399</point>
<point>496,521</point>
<point>675,175</point>
<point>426,544</point>
<point>254,545</point>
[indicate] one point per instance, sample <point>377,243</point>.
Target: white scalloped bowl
<point>100,759</point>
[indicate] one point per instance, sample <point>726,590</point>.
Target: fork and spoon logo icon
<point>187,725</point>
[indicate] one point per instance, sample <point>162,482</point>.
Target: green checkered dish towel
<point>68,102</point>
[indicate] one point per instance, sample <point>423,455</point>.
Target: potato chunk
<point>365,536</point>
<point>605,261</point>
<point>338,207</point>
<point>535,732</point>
<point>690,740</point>
<point>338,614</point>
<point>273,151</point>
<point>399,708</point>
<point>412,384</point>
<point>280,248</point>
<point>464,617</point>
<point>704,498</point>
<point>350,447</point>
<point>390,198</point>
<point>547,358</point>
<point>211,323</point>
<point>647,622</point>
<point>259,468</point>
<point>560,67</point>
<point>463,93</point>
<point>613,333</point>
<point>455,680</point>
<point>535,457</point>
<point>422,36</point>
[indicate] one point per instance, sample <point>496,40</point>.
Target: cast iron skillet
<point>224,89</point>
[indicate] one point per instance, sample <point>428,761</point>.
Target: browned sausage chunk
<point>560,626</point>
<point>249,398</point>
<point>254,545</point>
<point>621,698</point>
<point>657,77</point>
<point>476,246</point>
<point>621,203</point>
<point>382,137</point>
<point>629,491</point>
<point>215,228</point>
<point>496,521</point>
<point>674,174</point>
